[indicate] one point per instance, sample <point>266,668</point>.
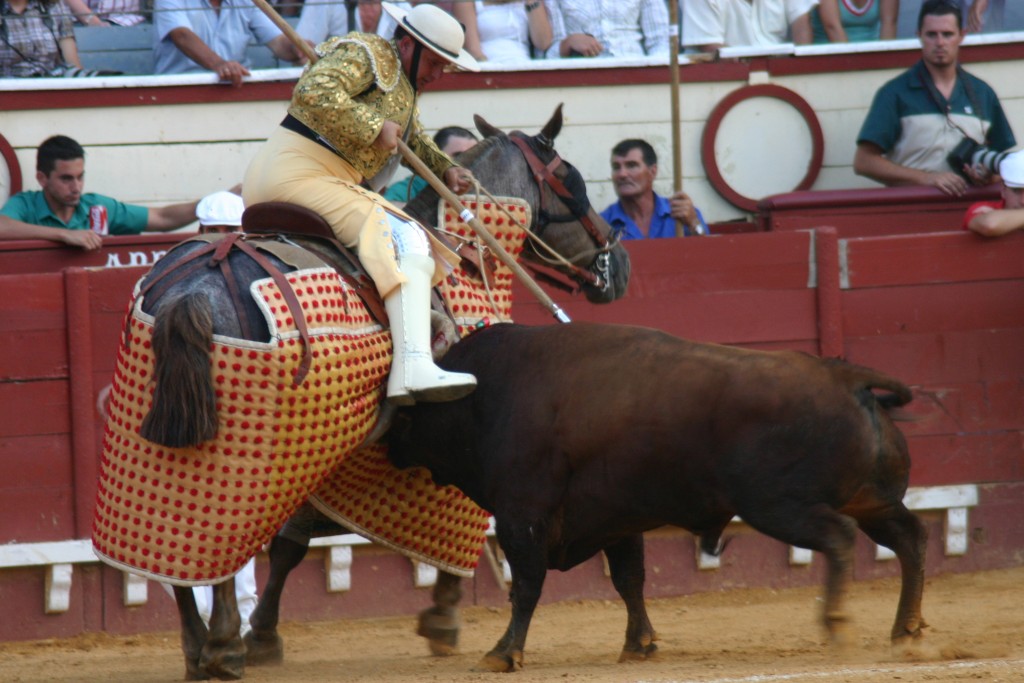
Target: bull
<point>584,436</point>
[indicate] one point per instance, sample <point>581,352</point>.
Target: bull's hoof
<point>638,654</point>
<point>500,662</point>
<point>441,631</point>
<point>262,651</point>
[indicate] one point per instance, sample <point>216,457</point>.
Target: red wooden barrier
<point>877,211</point>
<point>941,311</point>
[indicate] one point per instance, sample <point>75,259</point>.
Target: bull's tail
<point>184,411</point>
<point>863,380</point>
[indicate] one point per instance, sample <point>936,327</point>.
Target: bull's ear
<point>554,125</point>
<point>486,129</point>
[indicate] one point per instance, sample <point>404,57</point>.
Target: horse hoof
<point>225,667</point>
<point>441,631</point>
<point>640,654</point>
<point>497,662</point>
<point>263,651</point>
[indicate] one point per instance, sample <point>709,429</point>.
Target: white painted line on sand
<point>1015,664</point>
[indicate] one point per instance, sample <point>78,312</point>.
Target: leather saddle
<point>284,218</point>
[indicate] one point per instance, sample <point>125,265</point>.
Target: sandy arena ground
<point>976,633</point>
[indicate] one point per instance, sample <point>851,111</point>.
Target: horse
<point>617,430</point>
<point>177,500</point>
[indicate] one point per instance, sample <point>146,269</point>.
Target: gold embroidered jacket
<point>346,96</point>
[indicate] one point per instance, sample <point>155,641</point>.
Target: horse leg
<point>626,563</point>
<point>903,533</point>
<point>263,643</point>
<point>440,624</point>
<point>524,551</point>
<point>223,655</point>
<point>193,632</point>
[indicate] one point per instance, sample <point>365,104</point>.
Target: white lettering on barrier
<point>133,258</point>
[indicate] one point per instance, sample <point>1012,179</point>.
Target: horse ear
<point>554,126</point>
<point>486,129</point>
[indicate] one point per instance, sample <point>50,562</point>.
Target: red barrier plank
<point>943,357</point>
<point>41,256</point>
<point>33,355</point>
<point>34,408</point>
<point>963,408</point>
<point>37,515</point>
<point>31,302</point>
<point>949,307</point>
<point>935,258</point>
<point>967,458</point>
<point>725,262</point>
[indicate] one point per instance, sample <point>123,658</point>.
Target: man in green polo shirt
<point>60,211</point>
<point>921,116</point>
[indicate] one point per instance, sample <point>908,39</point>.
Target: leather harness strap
<point>221,248</point>
<point>292,302</point>
<point>544,174</point>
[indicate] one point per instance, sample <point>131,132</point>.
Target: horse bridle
<point>545,175</point>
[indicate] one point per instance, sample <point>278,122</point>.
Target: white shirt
<point>625,28</point>
<point>322,19</point>
<point>504,31</point>
<point>740,22</point>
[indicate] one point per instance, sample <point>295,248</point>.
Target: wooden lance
<point>677,144</point>
<point>424,172</point>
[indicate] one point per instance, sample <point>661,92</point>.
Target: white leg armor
<point>414,377</point>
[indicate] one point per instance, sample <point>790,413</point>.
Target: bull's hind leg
<point>626,563</point>
<point>223,655</point>
<point>902,532</point>
<point>818,527</point>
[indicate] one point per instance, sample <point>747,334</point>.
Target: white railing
<point>59,557</point>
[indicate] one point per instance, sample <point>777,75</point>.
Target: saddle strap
<point>291,301</point>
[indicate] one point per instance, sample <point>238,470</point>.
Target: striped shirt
<point>625,28</point>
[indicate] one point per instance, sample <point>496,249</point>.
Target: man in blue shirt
<point>640,212</point>
<point>60,211</point>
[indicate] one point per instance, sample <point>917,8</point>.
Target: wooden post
<point>677,144</point>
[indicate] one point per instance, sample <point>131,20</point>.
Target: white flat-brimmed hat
<point>1012,169</point>
<point>220,208</point>
<point>437,30</point>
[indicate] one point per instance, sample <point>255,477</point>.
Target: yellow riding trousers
<point>291,168</point>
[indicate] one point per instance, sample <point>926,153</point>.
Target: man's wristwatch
<point>530,6</point>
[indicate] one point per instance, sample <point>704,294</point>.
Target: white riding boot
<point>414,377</point>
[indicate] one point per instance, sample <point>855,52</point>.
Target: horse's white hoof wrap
<point>414,377</point>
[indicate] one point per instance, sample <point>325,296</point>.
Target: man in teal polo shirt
<point>921,116</point>
<point>60,212</point>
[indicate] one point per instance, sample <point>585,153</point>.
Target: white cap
<point>1012,169</point>
<point>220,208</point>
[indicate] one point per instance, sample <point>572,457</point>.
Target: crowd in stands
<point>213,35</point>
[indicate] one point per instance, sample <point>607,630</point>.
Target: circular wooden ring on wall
<point>13,167</point>
<point>713,126</point>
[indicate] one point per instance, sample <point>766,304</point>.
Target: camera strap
<point>933,92</point>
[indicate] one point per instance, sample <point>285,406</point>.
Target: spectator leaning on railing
<point>37,39</point>
<point>934,124</point>
<point>213,35</point>
<point>107,12</point>
<point>505,31</point>
<point>608,28</point>
<point>709,25</point>
<point>853,21</point>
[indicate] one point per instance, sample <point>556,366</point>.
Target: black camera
<point>974,154</point>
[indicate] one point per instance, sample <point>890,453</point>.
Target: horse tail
<point>865,381</point>
<point>184,411</point>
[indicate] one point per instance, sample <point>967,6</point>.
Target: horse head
<point>567,235</point>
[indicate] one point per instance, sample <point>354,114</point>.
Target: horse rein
<point>544,175</point>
